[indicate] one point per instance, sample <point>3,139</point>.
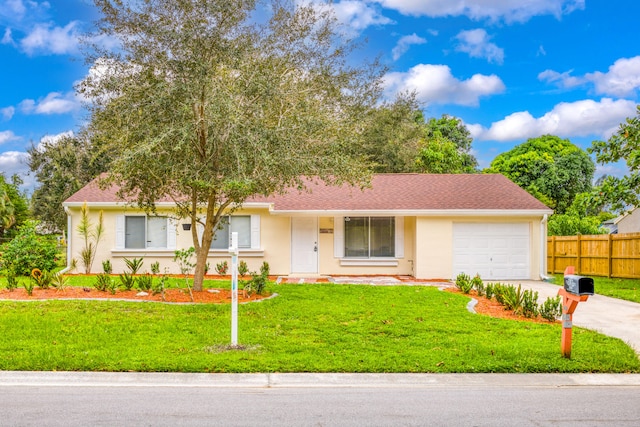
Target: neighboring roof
<point>388,192</point>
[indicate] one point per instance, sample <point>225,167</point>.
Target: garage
<point>496,251</point>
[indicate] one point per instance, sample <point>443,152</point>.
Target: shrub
<point>12,281</point>
<point>530,303</point>
<point>134,264</point>
<point>29,250</point>
<point>28,286</point>
<point>489,290</point>
<point>243,269</point>
<point>463,282</point>
<point>513,298</point>
<point>499,290</point>
<point>106,267</point>
<point>59,281</point>
<point>478,285</point>
<point>42,279</point>
<point>127,281</point>
<point>159,286</point>
<point>551,309</point>
<point>145,282</point>
<point>222,268</point>
<point>155,268</point>
<point>103,282</point>
<point>264,269</point>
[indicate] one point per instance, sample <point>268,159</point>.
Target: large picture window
<point>229,224</point>
<point>145,232</point>
<point>369,237</point>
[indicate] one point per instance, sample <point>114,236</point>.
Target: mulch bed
<point>218,296</point>
<point>495,309</point>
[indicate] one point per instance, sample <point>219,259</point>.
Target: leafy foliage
<point>91,235</point>
<point>127,280</point>
<point>40,278</point>
<point>134,264</point>
<point>225,107</point>
<point>222,268</point>
<point>552,169</point>
<point>243,268</point>
<point>551,309</point>
<point>14,209</point>
<point>445,147</point>
<point>102,282</point>
<point>478,285</point>
<point>145,282</point>
<point>28,250</point>
<point>620,193</point>
<point>464,283</point>
<point>571,225</point>
<point>63,167</point>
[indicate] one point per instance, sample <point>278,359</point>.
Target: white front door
<point>304,245</point>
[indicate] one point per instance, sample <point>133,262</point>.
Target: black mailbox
<point>578,285</point>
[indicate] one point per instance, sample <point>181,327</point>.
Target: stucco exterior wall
<point>434,244</point>
<point>629,223</point>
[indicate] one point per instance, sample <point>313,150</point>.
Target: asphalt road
<point>87,399</point>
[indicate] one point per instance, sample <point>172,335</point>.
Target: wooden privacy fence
<point>610,255</point>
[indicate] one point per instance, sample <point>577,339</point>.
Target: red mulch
<point>495,309</point>
<point>223,296</point>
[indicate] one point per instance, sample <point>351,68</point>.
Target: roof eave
<point>418,212</point>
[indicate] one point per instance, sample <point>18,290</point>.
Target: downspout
<point>68,267</point>
<point>543,250</point>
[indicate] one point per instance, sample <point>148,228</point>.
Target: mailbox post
<point>576,289</point>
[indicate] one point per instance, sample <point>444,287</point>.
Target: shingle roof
<point>395,192</point>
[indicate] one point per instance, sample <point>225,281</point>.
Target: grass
<point>627,289</point>
<point>307,328</point>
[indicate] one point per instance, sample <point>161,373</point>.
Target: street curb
<point>307,380</point>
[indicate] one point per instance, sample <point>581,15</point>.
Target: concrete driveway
<point>610,316</point>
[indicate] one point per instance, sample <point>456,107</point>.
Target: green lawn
<point>307,328</point>
<point>627,289</point>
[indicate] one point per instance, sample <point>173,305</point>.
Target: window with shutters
<point>229,224</point>
<point>369,237</point>
<point>145,232</point>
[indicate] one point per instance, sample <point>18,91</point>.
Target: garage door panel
<point>494,250</point>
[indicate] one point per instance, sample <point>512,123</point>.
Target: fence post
<point>553,254</point>
<point>579,254</point>
<point>610,260</point>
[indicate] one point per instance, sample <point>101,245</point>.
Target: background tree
<point>440,134</point>
<point>620,193</point>
<point>550,168</point>
<point>392,134</point>
<point>63,167</point>
<point>207,104</point>
<point>14,208</point>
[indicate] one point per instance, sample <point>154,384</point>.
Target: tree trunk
<point>201,261</point>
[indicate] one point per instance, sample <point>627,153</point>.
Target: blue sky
<point>511,70</point>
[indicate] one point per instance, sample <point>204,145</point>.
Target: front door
<point>304,245</point>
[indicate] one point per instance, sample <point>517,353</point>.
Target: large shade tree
<point>14,208</point>
<point>213,101</point>
<point>620,193</point>
<point>445,147</point>
<point>550,168</point>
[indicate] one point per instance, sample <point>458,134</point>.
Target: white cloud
<point>53,103</point>
<point>355,15</point>
<point>622,79</point>
<point>405,43</point>
<point>49,39</point>
<point>507,10</point>
<point>7,38</point>
<point>15,163</point>
<point>567,119</point>
<point>7,112</point>
<point>7,135</point>
<point>53,139</point>
<point>436,84</point>
<point>476,43</point>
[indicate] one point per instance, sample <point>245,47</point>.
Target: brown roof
<point>397,192</point>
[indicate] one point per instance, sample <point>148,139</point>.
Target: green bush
<point>103,282</point>
<point>478,285</point>
<point>530,303</point>
<point>41,279</point>
<point>134,264</point>
<point>106,266</point>
<point>59,281</point>
<point>29,250</point>
<point>127,281</point>
<point>12,281</point>
<point>222,268</point>
<point>513,298</point>
<point>243,268</point>
<point>551,309</point>
<point>145,282</point>
<point>464,283</point>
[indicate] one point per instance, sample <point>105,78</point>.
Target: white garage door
<point>496,251</point>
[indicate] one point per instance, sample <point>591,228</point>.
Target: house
<point>628,222</point>
<point>421,225</point>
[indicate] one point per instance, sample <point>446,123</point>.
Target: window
<point>145,232</point>
<point>229,224</point>
<point>369,237</point>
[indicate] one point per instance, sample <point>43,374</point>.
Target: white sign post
<point>233,250</point>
